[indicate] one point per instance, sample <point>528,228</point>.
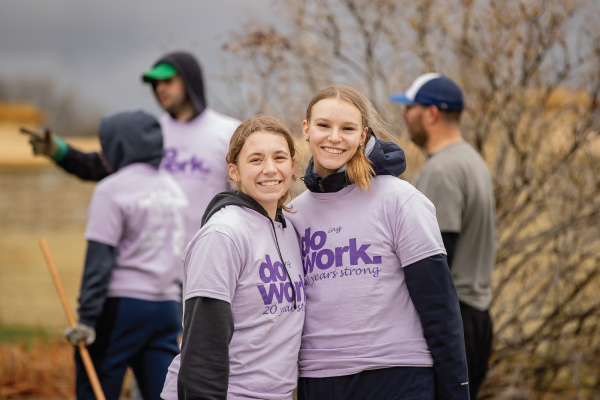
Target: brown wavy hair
<point>359,168</point>
<point>260,123</point>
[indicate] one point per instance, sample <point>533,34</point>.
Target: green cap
<point>158,72</point>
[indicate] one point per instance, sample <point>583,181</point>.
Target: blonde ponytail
<point>359,168</point>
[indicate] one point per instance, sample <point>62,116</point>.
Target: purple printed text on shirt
<point>277,286</point>
<point>315,253</point>
<point>175,165</point>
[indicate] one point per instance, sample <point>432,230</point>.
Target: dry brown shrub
<point>43,371</point>
<point>46,370</point>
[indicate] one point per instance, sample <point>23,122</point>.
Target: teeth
<point>270,183</point>
<point>334,151</point>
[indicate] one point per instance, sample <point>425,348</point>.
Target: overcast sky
<point>98,49</point>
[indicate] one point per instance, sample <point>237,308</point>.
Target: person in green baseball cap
<point>177,83</point>
<point>196,137</point>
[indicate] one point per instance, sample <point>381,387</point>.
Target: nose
<point>334,136</point>
<point>269,167</point>
<point>159,85</point>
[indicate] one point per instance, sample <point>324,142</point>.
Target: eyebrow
<point>322,119</point>
<point>256,153</point>
<point>262,154</point>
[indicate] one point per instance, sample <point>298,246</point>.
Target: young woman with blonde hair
<point>382,316</point>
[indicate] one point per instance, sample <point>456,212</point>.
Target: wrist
<point>61,148</point>
<point>87,321</point>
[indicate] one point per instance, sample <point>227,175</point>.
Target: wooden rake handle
<point>83,351</point>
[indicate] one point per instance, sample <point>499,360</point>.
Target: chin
<point>333,166</point>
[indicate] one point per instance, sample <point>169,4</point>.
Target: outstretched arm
<point>86,166</point>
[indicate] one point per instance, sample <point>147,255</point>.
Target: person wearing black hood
<point>195,136</point>
<point>243,290</point>
<point>129,303</point>
<point>382,314</point>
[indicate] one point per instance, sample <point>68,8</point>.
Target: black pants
<point>378,384</point>
<point>478,343</point>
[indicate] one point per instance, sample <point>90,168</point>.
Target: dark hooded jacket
<point>210,322</point>
<point>428,281</point>
<point>126,138</point>
<point>131,137</point>
<point>188,68</point>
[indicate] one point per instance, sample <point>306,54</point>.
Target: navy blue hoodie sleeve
<point>432,292</point>
<point>207,332</point>
<point>99,261</point>
<point>86,166</point>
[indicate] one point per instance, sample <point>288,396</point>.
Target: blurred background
<point>530,71</point>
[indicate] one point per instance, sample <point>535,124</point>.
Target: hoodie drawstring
<point>283,263</point>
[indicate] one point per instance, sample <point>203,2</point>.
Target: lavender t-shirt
<point>195,156</point>
<point>140,211</point>
<point>355,243</point>
<point>234,258</point>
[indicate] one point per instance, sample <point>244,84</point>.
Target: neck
<point>322,172</point>
<point>441,138</point>
<point>185,113</point>
<point>271,210</point>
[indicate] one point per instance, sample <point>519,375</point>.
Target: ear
<point>305,130</point>
<point>432,114</point>
<point>233,172</point>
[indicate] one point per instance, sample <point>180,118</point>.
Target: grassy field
<point>27,336</point>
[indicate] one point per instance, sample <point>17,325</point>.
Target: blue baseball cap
<point>432,89</point>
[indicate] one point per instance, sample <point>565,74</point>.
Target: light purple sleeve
<point>169,391</point>
<point>213,267</point>
<point>105,218</point>
<point>417,234</point>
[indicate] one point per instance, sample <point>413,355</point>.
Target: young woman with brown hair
<point>243,290</point>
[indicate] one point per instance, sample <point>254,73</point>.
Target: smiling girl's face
<point>334,133</point>
<point>264,169</point>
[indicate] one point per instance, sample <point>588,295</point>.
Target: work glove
<point>79,332</point>
<point>46,143</point>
